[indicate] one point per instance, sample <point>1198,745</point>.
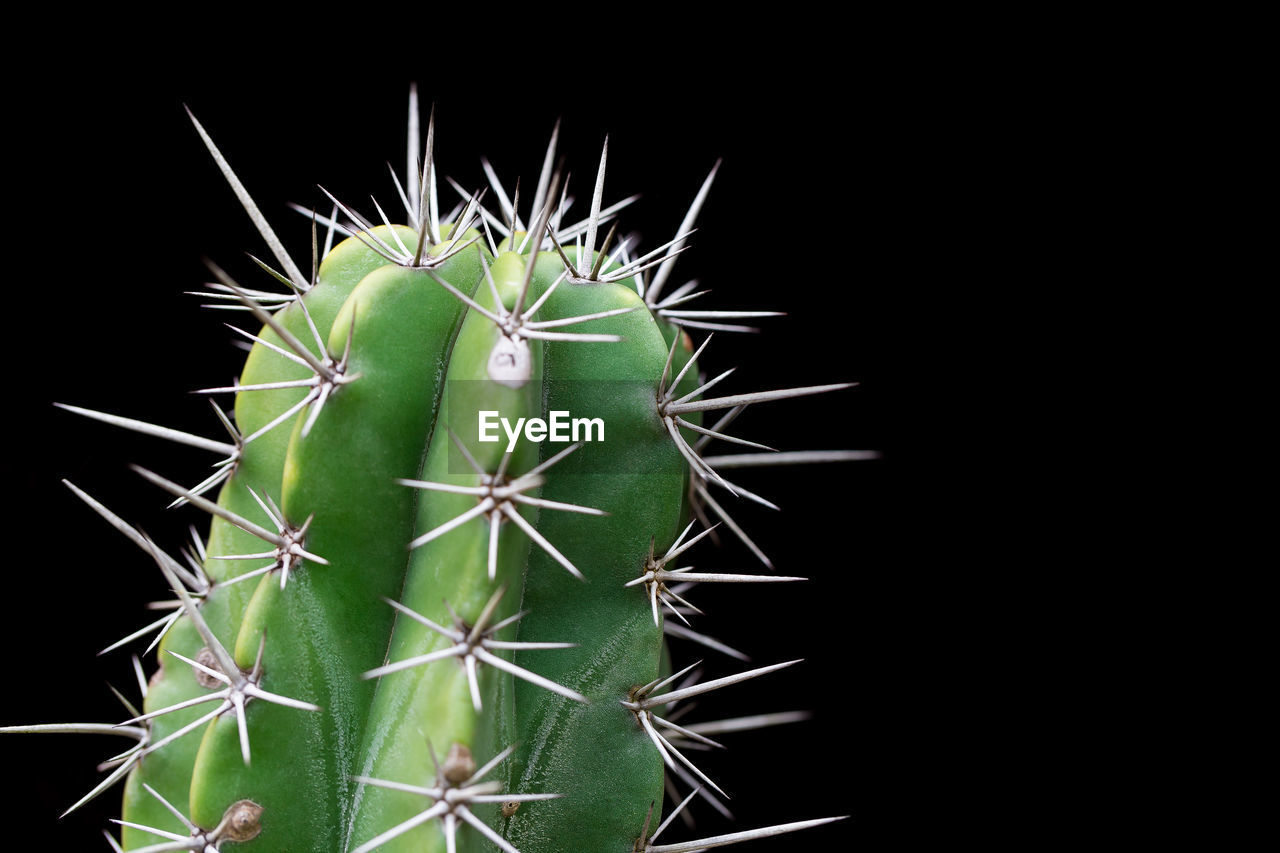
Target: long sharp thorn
<point>708,315</point>
<point>546,504</point>
<point>191,827</point>
<point>489,765</point>
<point>649,259</point>
<point>478,510</point>
<point>716,684</point>
<point>164,622</point>
<point>132,534</point>
<point>601,256</point>
<point>544,177</point>
<point>466,454</point>
<point>411,155</point>
<point>485,830</point>
<point>224,658</point>
<point>466,300</point>
<point>400,829</point>
<point>733,525</point>
<point>259,221</point>
<point>722,436</point>
<point>689,733</point>
<point>664,271</point>
<point>270,321</point>
<point>671,390</point>
<point>721,577</point>
<point>659,683</point>
<point>365,233</point>
<point>531,677</point>
<point>799,457</point>
<point>209,506</point>
<point>737,837</point>
<point>418,617</point>
<point>472,682</point>
<point>744,724</point>
<point>596,197</point>
<point>666,368</point>
<point>682,632</point>
<point>677,549</point>
<point>410,663</point>
<point>677,810</point>
<point>395,235</point>
<point>242,724</point>
<point>568,321</point>
<point>568,264</point>
<point>504,201</point>
<point>153,430</point>
<point>512,513</point>
<point>644,830</point>
<point>494,527</point>
<point>757,397</point>
<point>701,389</point>
<point>543,466</point>
<point>428,204</point>
<point>671,750</point>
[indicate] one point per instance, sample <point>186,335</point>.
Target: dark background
<point>837,171</point>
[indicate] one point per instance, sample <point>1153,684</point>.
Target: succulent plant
<point>443,598</point>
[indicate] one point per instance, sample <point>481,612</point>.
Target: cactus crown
<point>418,619</point>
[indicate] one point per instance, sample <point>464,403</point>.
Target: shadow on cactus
<point>467,457</point>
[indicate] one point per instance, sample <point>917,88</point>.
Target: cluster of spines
<point>238,686</point>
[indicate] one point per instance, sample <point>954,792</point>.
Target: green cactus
<point>410,626</point>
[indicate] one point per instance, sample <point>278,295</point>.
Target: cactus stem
<point>473,644</point>
<point>450,804</point>
<point>259,221</point>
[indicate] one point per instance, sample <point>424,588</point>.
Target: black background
<point>838,158</point>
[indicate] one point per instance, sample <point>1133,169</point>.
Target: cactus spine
<point>400,637</point>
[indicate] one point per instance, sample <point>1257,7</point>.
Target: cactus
<point>398,635</point>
